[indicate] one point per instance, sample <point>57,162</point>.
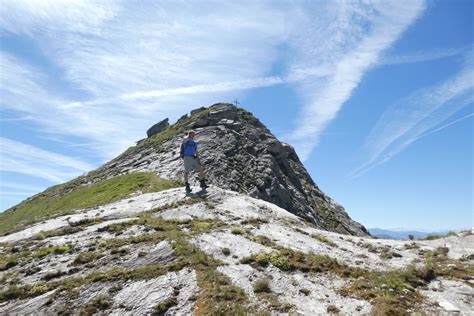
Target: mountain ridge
<point>126,239</point>
<point>241,154</point>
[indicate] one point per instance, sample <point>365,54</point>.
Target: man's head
<point>191,134</point>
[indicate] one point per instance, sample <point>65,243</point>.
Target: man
<point>190,155</point>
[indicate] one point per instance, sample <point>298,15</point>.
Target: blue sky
<point>376,96</point>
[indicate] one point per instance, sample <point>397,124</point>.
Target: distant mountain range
<point>403,234</point>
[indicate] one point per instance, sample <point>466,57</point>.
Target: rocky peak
<point>240,154</point>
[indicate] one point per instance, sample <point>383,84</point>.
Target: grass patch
<point>255,221</point>
<point>86,257</point>
<point>7,262</point>
<point>163,307</point>
<point>217,296</point>
<point>117,228</point>
<point>264,240</point>
<point>99,303</point>
<point>395,292</point>
<point>262,285</point>
<point>289,260</point>
<point>53,250</point>
<point>58,200</point>
<point>333,309</point>
<point>324,239</point>
<point>237,231</point>
<point>392,292</point>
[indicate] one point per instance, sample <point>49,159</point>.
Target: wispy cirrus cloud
<point>422,56</point>
<point>134,65</point>
<point>346,50</point>
<point>416,116</point>
<point>26,159</point>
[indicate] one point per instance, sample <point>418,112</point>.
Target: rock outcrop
<point>166,253</point>
<point>240,154</point>
<point>158,127</point>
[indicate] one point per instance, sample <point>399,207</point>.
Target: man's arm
<point>181,154</point>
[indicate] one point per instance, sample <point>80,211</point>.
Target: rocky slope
<point>223,253</point>
<point>239,154</point>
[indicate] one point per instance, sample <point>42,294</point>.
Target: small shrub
<point>117,228</point>
<point>101,302</point>
<point>264,240</point>
<point>261,286</point>
<point>119,251</point>
<point>86,257</point>
<point>332,309</point>
<point>210,205</point>
<point>8,264</point>
<point>163,307</point>
<point>53,275</point>
<point>237,231</point>
<point>324,239</point>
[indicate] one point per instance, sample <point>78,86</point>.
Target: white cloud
<point>134,65</point>
<point>30,160</point>
<point>19,186</point>
<point>333,60</point>
<point>422,56</point>
<point>417,116</point>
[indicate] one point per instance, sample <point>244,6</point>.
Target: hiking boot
<point>188,188</point>
<point>203,184</point>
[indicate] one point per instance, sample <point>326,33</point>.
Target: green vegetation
<point>53,250</point>
<point>86,257</point>
<point>179,128</point>
<point>394,292</point>
<point>332,309</point>
<point>289,260</point>
<point>324,239</point>
<point>117,228</point>
<point>216,295</point>
<point>264,240</point>
<point>262,285</point>
<point>255,221</point>
<point>163,307</point>
<point>237,231</point>
<point>60,200</point>
<point>7,262</point>
<point>100,303</point>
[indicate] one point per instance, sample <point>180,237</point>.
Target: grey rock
<point>197,110</point>
<point>309,293</point>
<point>243,156</point>
<point>158,127</point>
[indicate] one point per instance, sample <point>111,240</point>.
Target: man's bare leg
<point>186,179</point>
<point>201,173</point>
<point>201,178</point>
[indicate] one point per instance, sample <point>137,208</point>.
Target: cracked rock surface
<point>136,258</point>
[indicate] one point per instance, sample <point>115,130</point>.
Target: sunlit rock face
<point>173,253</point>
<point>240,154</point>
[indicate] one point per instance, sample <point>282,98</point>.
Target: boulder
<point>158,128</point>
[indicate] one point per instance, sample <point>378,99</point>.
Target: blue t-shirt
<point>190,148</point>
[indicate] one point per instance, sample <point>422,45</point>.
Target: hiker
<point>190,155</point>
